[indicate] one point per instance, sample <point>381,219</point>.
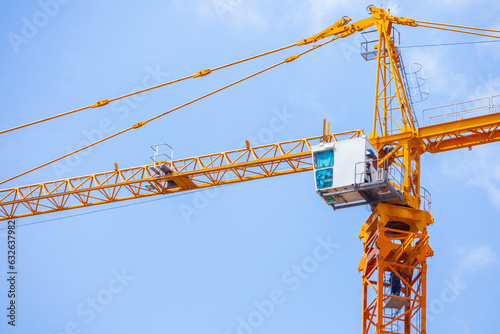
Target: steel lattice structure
<point>210,170</point>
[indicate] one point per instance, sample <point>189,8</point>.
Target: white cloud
<point>490,50</point>
<point>487,87</point>
<point>430,60</point>
<point>474,259</point>
<point>394,7</point>
<point>237,13</point>
<point>440,75</point>
<point>461,4</point>
<point>73,64</point>
<point>320,14</point>
<point>246,15</point>
<point>479,168</point>
<point>319,9</point>
<point>484,166</point>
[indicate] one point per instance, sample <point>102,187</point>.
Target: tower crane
<point>395,236</point>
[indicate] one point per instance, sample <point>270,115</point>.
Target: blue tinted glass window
<point>323,159</point>
<point>324,178</point>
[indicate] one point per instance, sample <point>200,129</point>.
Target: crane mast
<point>395,236</point>
<point>395,240</point>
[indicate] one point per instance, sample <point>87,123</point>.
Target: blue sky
<point>230,266</point>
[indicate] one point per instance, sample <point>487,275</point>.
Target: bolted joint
<point>405,21</point>
<point>337,28</point>
<point>304,41</point>
<point>351,29</point>
<point>99,104</point>
<point>138,125</point>
<point>377,13</point>
<point>202,73</point>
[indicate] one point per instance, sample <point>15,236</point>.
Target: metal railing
<point>461,110</point>
<point>384,172</point>
<point>370,38</point>
<point>425,200</point>
<point>394,174</point>
<point>156,148</point>
<point>418,90</point>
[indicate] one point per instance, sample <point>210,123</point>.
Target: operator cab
<point>347,173</point>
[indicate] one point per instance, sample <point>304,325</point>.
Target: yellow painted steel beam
<point>187,174</point>
<point>450,135</point>
<point>461,133</point>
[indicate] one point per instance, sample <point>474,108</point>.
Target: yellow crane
<point>395,238</point>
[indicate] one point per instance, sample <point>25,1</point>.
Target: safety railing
<point>425,200</point>
<point>169,156</point>
<point>461,110</point>
<point>162,161</point>
<point>370,39</point>
<point>366,172</point>
<point>417,86</point>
